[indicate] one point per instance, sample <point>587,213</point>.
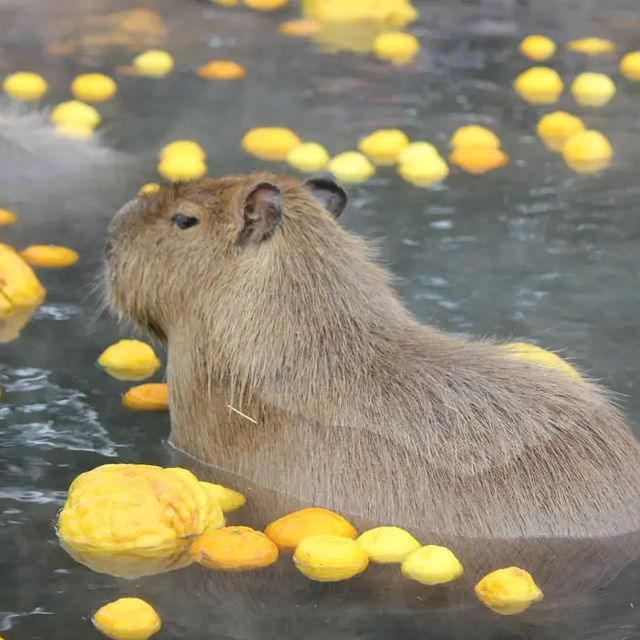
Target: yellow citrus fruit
<point>129,360</point>
<point>587,152</point>
<point>270,143</point>
<point>301,27</point>
<point>7,217</point>
<point>93,87</point>
<point>18,284</point>
<point>537,47</point>
<point>154,63</point>
<point>384,146</point>
<point>228,499</point>
<point>221,70</point>
<point>387,544</point>
<point>308,157</point>
<point>424,173</point>
<point>591,46</point>
<point>127,619</point>
<point>478,160</point>
<point>25,86</point>
<point>266,5</point>
<point>532,352</point>
<point>557,127</point>
<point>351,167</point>
<point>593,89</point>
<point>182,148</point>
<point>539,85</point>
<point>508,591</point>
<point>431,564</point>
<point>74,111</point>
<point>147,397</point>
<point>473,135</point>
<point>329,558</point>
<point>182,167</point>
<point>630,66</point>
<point>396,47</point>
<point>49,255</point>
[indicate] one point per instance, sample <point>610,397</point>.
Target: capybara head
<point>169,251</point>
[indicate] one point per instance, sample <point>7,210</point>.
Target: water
<point>531,251</point>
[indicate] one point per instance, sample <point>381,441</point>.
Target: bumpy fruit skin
<point>387,544</point>
<point>532,352</point>
<point>539,85</point>
<point>128,519</point>
<point>431,565</point>
<point>557,127</point>
<point>228,499</point>
<point>473,135</point>
<point>127,619</point>
<point>270,143</point>
<point>508,591</point>
<point>290,530</point>
<point>129,360</point>
<point>234,549</point>
<point>19,286</point>
<point>330,558</point>
<point>384,146</point>
<point>351,167</point>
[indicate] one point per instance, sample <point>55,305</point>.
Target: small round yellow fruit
<point>424,173</point>
<point>387,544</point>
<point>49,255</point>
<point>330,558</point>
<point>20,286</point>
<point>351,167</point>
<point>270,143</point>
<point>148,189</point>
<point>7,217</point>
<point>431,564</point>
<point>548,359</point>
<point>478,159</point>
<point>228,499</point>
<point>557,127</point>
<point>308,157</point>
<point>539,85</point>
<point>630,66</point>
<point>473,135</point>
<point>396,47</point>
<point>587,152</point>
<point>537,47</point>
<point>417,152</point>
<point>183,148</point>
<point>74,111</point>
<point>384,146</point>
<point>93,87</point>
<point>508,591</point>
<point>593,89</point>
<point>153,396</point>
<point>25,86</point>
<point>129,360</point>
<point>591,46</point>
<point>154,63</point>
<point>127,619</point>
<point>181,167</point>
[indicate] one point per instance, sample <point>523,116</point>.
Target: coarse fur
<point>292,362</point>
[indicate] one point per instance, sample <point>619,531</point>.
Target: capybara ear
<point>261,212</point>
<point>324,188</point>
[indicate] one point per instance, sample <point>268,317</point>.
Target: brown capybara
<point>293,363</point>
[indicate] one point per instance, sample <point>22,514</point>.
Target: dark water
<point>531,251</point>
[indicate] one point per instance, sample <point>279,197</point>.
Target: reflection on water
<point>531,251</point>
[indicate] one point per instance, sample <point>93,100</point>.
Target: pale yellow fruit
<point>330,558</point>
<point>508,591</point>
<point>432,564</point>
<point>387,544</point>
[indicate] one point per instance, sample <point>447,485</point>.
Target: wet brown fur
<point>358,407</point>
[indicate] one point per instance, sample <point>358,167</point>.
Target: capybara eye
<point>184,222</point>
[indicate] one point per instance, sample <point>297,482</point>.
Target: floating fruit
<point>154,63</point>
<point>287,532</point>
<point>593,89</point>
<point>473,135</point>
<point>234,549</point>
<point>431,564</point>
<point>424,173</point>
<point>270,143</point>
<point>147,397</point>
<point>532,352</point>
<point>630,66</point>
<point>387,544</point>
<point>266,5</point>
<point>587,152</point>
<point>182,148</point>
<point>397,13</point>
<point>557,127</point>
<point>478,160</point>
<point>93,87</point>
<point>591,46</point>
<point>351,167</point>
<point>221,70</point>
<point>396,47</point>
<point>508,591</point>
<point>74,111</point>
<point>308,157</point>
<point>18,284</point>
<point>129,519</point>
<point>329,558</point>
<point>13,319</point>
<point>384,146</point>
<point>537,47</point>
<point>228,499</point>
<point>301,27</point>
<point>148,189</point>
<point>129,360</point>
<point>181,167</point>
<point>539,85</point>
<point>7,217</point>
<point>49,255</point>
<point>127,619</point>
<point>25,86</point>
<point>417,152</point>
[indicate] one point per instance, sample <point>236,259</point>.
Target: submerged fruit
<point>548,359</point>
<point>396,47</point>
<point>154,63</point>
<point>127,619</point>
<point>591,46</point>
<point>537,47</point>
<point>25,86</point>
<point>478,160</point>
<point>508,591</point>
<point>425,172</point>
<point>49,255</point>
<point>19,286</point>
<point>308,157</point>
<point>539,85</point>
<point>93,87</point>
<point>587,152</point>
<point>270,143</point>
<point>557,127</point>
<point>221,70</point>
<point>287,532</point>
<point>387,544</point>
<point>234,549</point>
<point>384,146</point>
<point>147,397</point>
<point>630,66</point>
<point>473,135</point>
<point>329,558</point>
<point>593,89</point>
<point>431,565</point>
<point>228,499</point>
<point>351,167</point>
<point>129,360</point>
